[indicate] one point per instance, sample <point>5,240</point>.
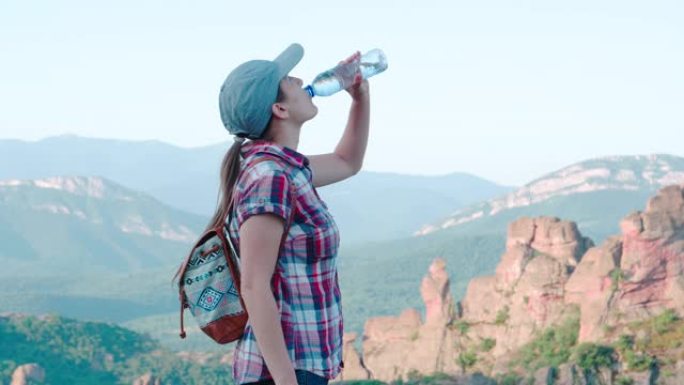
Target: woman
<point>291,293</point>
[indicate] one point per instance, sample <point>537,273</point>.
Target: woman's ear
<point>280,111</point>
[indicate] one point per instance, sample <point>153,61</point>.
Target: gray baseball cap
<point>250,90</point>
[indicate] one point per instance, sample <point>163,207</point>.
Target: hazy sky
<point>507,90</point>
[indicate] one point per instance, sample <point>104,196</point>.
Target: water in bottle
<point>339,78</point>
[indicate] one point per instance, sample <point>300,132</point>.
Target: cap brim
<point>289,58</point>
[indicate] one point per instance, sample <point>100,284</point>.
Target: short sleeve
<point>266,192</point>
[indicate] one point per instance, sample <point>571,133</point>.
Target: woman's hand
<point>359,88</point>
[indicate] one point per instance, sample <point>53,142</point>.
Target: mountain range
<point>93,247</point>
<point>610,186</point>
<point>559,310</point>
<point>187,179</point>
<point>87,247</point>
<point>90,221</point>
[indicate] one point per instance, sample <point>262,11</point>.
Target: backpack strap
<point>219,232</point>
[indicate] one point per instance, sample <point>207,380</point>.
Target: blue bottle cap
<point>310,90</point>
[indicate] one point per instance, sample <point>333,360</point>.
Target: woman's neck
<point>284,134</point>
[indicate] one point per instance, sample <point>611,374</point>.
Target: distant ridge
<point>368,207</point>
<point>638,174</point>
<point>61,220</point>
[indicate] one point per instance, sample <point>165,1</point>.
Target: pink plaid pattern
<point>305,283</point>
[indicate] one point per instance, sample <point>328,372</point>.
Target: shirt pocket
<point>316,243</point>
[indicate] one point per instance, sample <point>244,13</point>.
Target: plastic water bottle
<point>339,78</point>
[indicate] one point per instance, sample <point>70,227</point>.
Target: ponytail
<point>230,169</point>
<point>229,173</point>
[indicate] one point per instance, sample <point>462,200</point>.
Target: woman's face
<point>300,105</point>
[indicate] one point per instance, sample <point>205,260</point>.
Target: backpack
<point>209,279</point>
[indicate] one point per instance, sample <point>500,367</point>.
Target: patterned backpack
<point>209,280</point>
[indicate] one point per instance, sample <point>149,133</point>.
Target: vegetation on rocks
<point>553,347</point>
<point>487,344</point>
<point>617,276</point>
<point>624,380</point>
<point>462,326</point>
<point>502,316</point>
<point>467,360</point>
<point>659,336</point>
<point>590,356</point>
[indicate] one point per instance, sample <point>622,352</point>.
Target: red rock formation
<point>653,259</point>
<point>526,293</point>
<point>439,306</point>
<point>147,379</point>
<point>27,374</point>
<point>354,368</point>
<point>591,286</point>
<point>636,275</point>
<point>393,346</point>
<point>548,271</point>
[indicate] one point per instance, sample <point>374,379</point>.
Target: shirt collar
<point>264,146</point>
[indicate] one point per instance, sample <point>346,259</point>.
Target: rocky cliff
<point>549,273</point>
<point>635,275</point>
<point>28,374</point>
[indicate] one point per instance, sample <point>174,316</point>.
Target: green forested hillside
<point>89,223</point>
<point>83,265</point>
<point>383,278</point>
<point>375,279</point>
<point>89,353</point>
<point>378,278</point>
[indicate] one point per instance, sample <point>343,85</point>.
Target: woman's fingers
<point>357,78</point>
<point>353,57</point>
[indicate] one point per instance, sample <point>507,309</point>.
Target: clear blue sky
<point>507,90</point>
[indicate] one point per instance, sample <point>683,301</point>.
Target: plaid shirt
<point>304,284</point>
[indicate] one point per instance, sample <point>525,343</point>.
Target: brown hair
<point>229,173</point>
<point>230,168</point>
